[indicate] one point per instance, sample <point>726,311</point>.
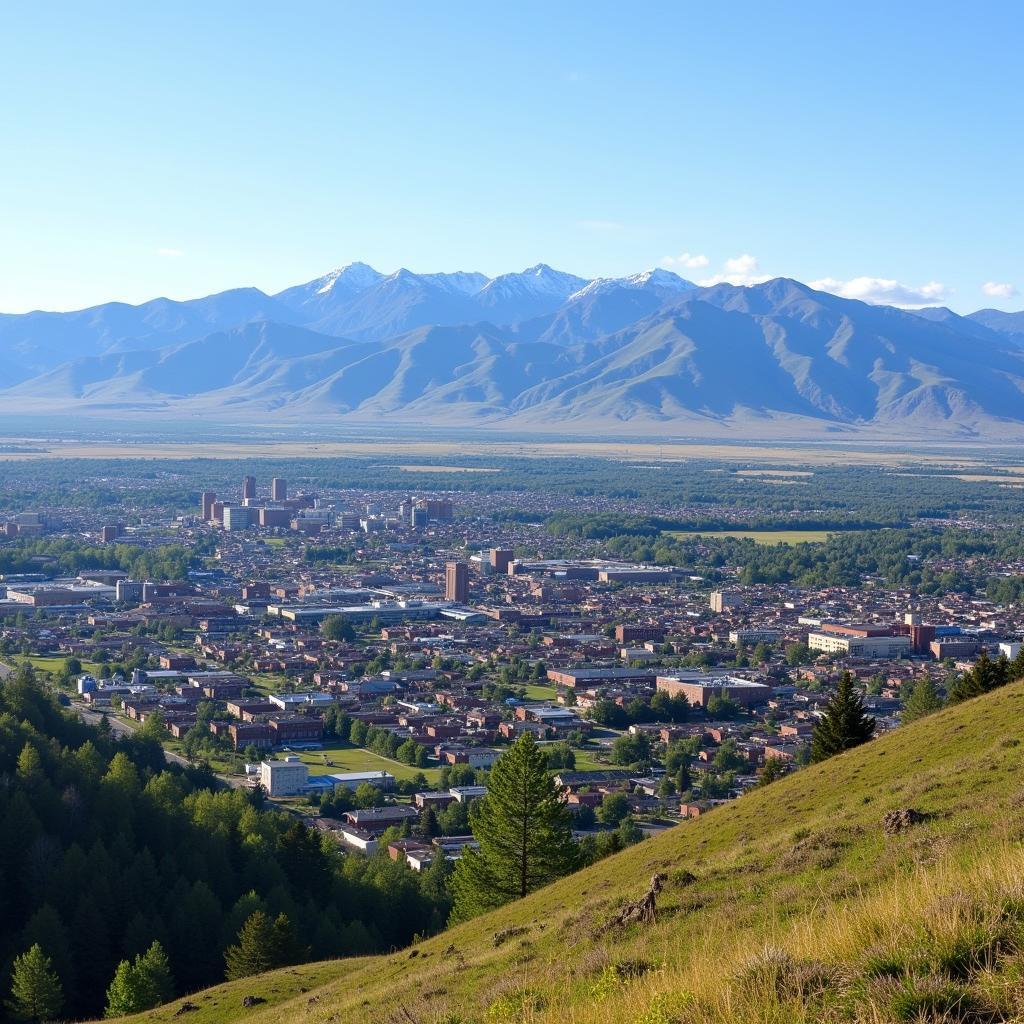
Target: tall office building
<point>456,582</point>
<point>240,517</point>
<point>278,489</point>
<point>500,558</point>
<point>207,501</point>
<point>249,488</point>
<point>437,508</point>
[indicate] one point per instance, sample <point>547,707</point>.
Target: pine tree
<point>36,993</point>
<point>1016,670</point>
<point>285,946</point>
<point>923,700</point>
<point>985,676</point>
<point>524,831</point>
<point>427,827</point>
<point>154,972</point>
<point>254,951</point>
<point>123,995</point>
<point>140,985</point>
<point>844,724</point>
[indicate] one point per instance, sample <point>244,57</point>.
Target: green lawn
<point>53,664</point>
<point>587,762</point>
<point>332,760</point>
<point>534,691</point>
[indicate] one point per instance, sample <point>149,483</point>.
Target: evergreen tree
<point>285,946</point>
<point>427,827</point>
<point>524,831</point>
<point>923,700</point>
<point>1016,669</point>
<point>124,995</point>
<point>844,724</point>
<point>154,972</point>
<point>36,993</point>
<point>141,984</point>
<point>986,675</point>
<point>254,951</point>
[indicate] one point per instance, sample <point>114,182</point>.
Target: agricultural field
<point>764,537</point>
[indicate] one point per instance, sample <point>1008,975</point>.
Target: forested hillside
<point>104,849</point>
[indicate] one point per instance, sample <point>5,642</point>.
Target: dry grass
<point>951,456</point>
<point>802,910</point>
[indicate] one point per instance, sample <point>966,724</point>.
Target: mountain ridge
<point>648,353</point>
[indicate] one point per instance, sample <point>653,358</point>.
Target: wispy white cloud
<point>686,261</point>
<point>740,270</point>
<point>885,291</point>
<point>168,251</point>
<point>999,290</point>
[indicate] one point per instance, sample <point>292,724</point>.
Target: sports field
<point>344,758</point>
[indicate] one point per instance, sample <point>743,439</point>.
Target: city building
<point>240,517</point>
<point>721,600</point>
<point>639,634</point>
<point>500,559</point>
<point>753,636</point>
<point>867,642</point>
<point>279,489</point>
<point>249,488</point>
<point>439,509</point>
<point>698,688</point>
<point>284,778</point>
<point>456,582</point>
<point>128,591</point>
<point>206,502</point>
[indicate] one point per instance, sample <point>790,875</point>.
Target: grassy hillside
<point>790,904</point>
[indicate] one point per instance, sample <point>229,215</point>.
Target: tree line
<point>106,849</point>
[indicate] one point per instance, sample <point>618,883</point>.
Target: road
<point>119,727</point>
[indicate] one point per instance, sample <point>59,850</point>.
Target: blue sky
<point>184,148</point>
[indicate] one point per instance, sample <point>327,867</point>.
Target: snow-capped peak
<point>355,276</point>
<point>656,280</point>
<point>659,278</point>
<point>537,280</point>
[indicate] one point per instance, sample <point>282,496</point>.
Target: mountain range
<point>647,354</point>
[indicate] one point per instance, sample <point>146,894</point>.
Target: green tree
<point>524,830</point>
<point>985,676</point>
<point>844,724</point>
<point>36,992</point>
<point>923,700</point>
<point>774,768</point>
<point>154,972</point>
<point>124,995</point>
<point>285,947</point>
<point>614,808</point>
<point>631,749</point>
<point>337,627</point>
<point>253,953</point>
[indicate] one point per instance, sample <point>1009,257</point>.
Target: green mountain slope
<point>794,903</point>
